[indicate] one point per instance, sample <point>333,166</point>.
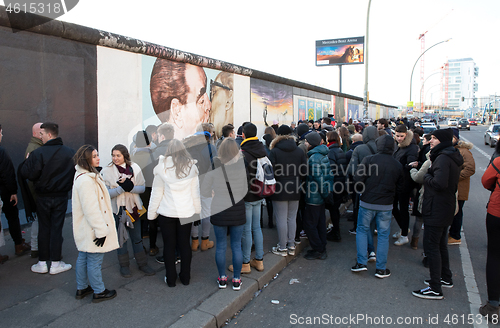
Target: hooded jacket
<point>441,184</point>
<point>51,169</point>
<point>467,170</point>
<point>406,153</point>
<point>92,213</point>
<point>381,176</point>
<point>490,180</point>
<point>370,134</point>
<point>252,149</point>
<point>171,196</point>
<point>319,179</point>
<point>290,168</point>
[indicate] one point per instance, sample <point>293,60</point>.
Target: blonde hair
<point>181,158</point>
<point>228,150</point>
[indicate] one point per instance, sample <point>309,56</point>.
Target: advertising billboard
<point>340,51</point>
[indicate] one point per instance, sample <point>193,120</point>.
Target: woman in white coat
<point>93,225</point>
<point>125,181</point>
<point>175,200</point>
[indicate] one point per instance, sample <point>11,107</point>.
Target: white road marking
<point>482,152</point>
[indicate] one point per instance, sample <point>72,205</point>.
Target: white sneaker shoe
<point>397,235</point>
<point>40,267</point>
<point>56,268</point>
<point>372,257</point>
<point>402,240</point>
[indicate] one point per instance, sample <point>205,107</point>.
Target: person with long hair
<point>93,225</point>
<point>229,184</point>
<point>345,137</point>
<point>175,201</point>
<point>125,181</point>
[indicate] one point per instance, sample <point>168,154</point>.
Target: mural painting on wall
<point>185,95</point>
<point>270,102</point>
<point>310,110</point>
<point>319,110</point>
<point>326,109</point>
<point>302,110</point>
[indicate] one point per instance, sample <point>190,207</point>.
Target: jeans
<point>135,237</point>
<point>206,203</point>
<point>493,257</point>
<point>401,212</point>
<point>51,212</point>
<point>252,227</point>
<point>235,233</point>
<point>286,221</point>
<point>382,219</point>
<point>456,226</point>
<point>436,250</point>
<point>417,226</point>
<point>176,235</point>
<point>315,226</point>
<point>88,266</point>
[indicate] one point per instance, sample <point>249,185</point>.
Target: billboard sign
<point>340,51</point>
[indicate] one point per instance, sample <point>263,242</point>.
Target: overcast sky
<point>278,37</point>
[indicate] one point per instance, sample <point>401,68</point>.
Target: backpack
<point>264,183</point>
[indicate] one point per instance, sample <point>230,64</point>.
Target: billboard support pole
<point>340,78</point>
<point>365,54</point>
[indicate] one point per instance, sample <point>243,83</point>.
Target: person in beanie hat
<point>302,131</point>
<point>290,170</point>
<point>467,170</point>
<point>438,210</point>
<point>284,130</point>
<point>318,186</point>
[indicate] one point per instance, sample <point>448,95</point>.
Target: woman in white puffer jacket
<point>175,200</point>
<point>93,225</point>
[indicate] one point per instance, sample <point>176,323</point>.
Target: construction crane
<point>421,37</point>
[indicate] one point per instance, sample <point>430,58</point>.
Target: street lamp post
<point>411,78</point>
<point>365,93</point>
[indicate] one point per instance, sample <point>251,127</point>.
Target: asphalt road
<point>328,293</point>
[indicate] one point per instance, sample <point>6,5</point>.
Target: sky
<point>278,37</point>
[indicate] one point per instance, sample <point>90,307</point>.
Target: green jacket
<point>319,178</point>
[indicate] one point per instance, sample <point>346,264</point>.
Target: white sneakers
<point>55,268</point>
<point>402,240</point>
<point>40,267</point>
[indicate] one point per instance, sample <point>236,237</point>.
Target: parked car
<point>491,135</point>
<point>452,122</point>
<point>428,128</point>
<point>463,124</point>
<point>472,121</point>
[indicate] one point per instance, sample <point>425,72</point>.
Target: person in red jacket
<point>490,181</point>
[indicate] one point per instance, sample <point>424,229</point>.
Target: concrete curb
<point>221,306</point>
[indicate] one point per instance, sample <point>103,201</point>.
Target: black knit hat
<point>314,139</point>
<point>302,128</point>
<point>443,134</point>
<point>284,130</point>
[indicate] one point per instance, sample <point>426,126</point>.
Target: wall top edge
<point>45,26</point>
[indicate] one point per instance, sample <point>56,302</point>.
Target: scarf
<point>437,149</point>
<point>111,174</point>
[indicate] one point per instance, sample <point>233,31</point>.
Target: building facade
<point>459,83</point>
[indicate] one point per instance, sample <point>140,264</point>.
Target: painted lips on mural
<point>47,10</point>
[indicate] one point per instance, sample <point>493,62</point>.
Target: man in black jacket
<point>51,168</point>
<point>438,210</point>
<point>381,177</point>
<point>8,191</point>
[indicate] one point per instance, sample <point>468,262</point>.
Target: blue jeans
<point>235,233</point>
<point>383,221</point>
<point>88,266</point>
<point>252,227</point>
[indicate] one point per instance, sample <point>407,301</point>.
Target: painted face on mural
<point>221,96</point>
<point>197,107</point>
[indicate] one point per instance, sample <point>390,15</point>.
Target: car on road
<point>491,135</point>
<point>428,128</point>
<point>472,122</point>
<point>452,122</point>
<point>463,124</point>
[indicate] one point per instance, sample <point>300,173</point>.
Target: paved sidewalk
<point>36,300</point>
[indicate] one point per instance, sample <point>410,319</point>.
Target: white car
<point>452,122</point>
